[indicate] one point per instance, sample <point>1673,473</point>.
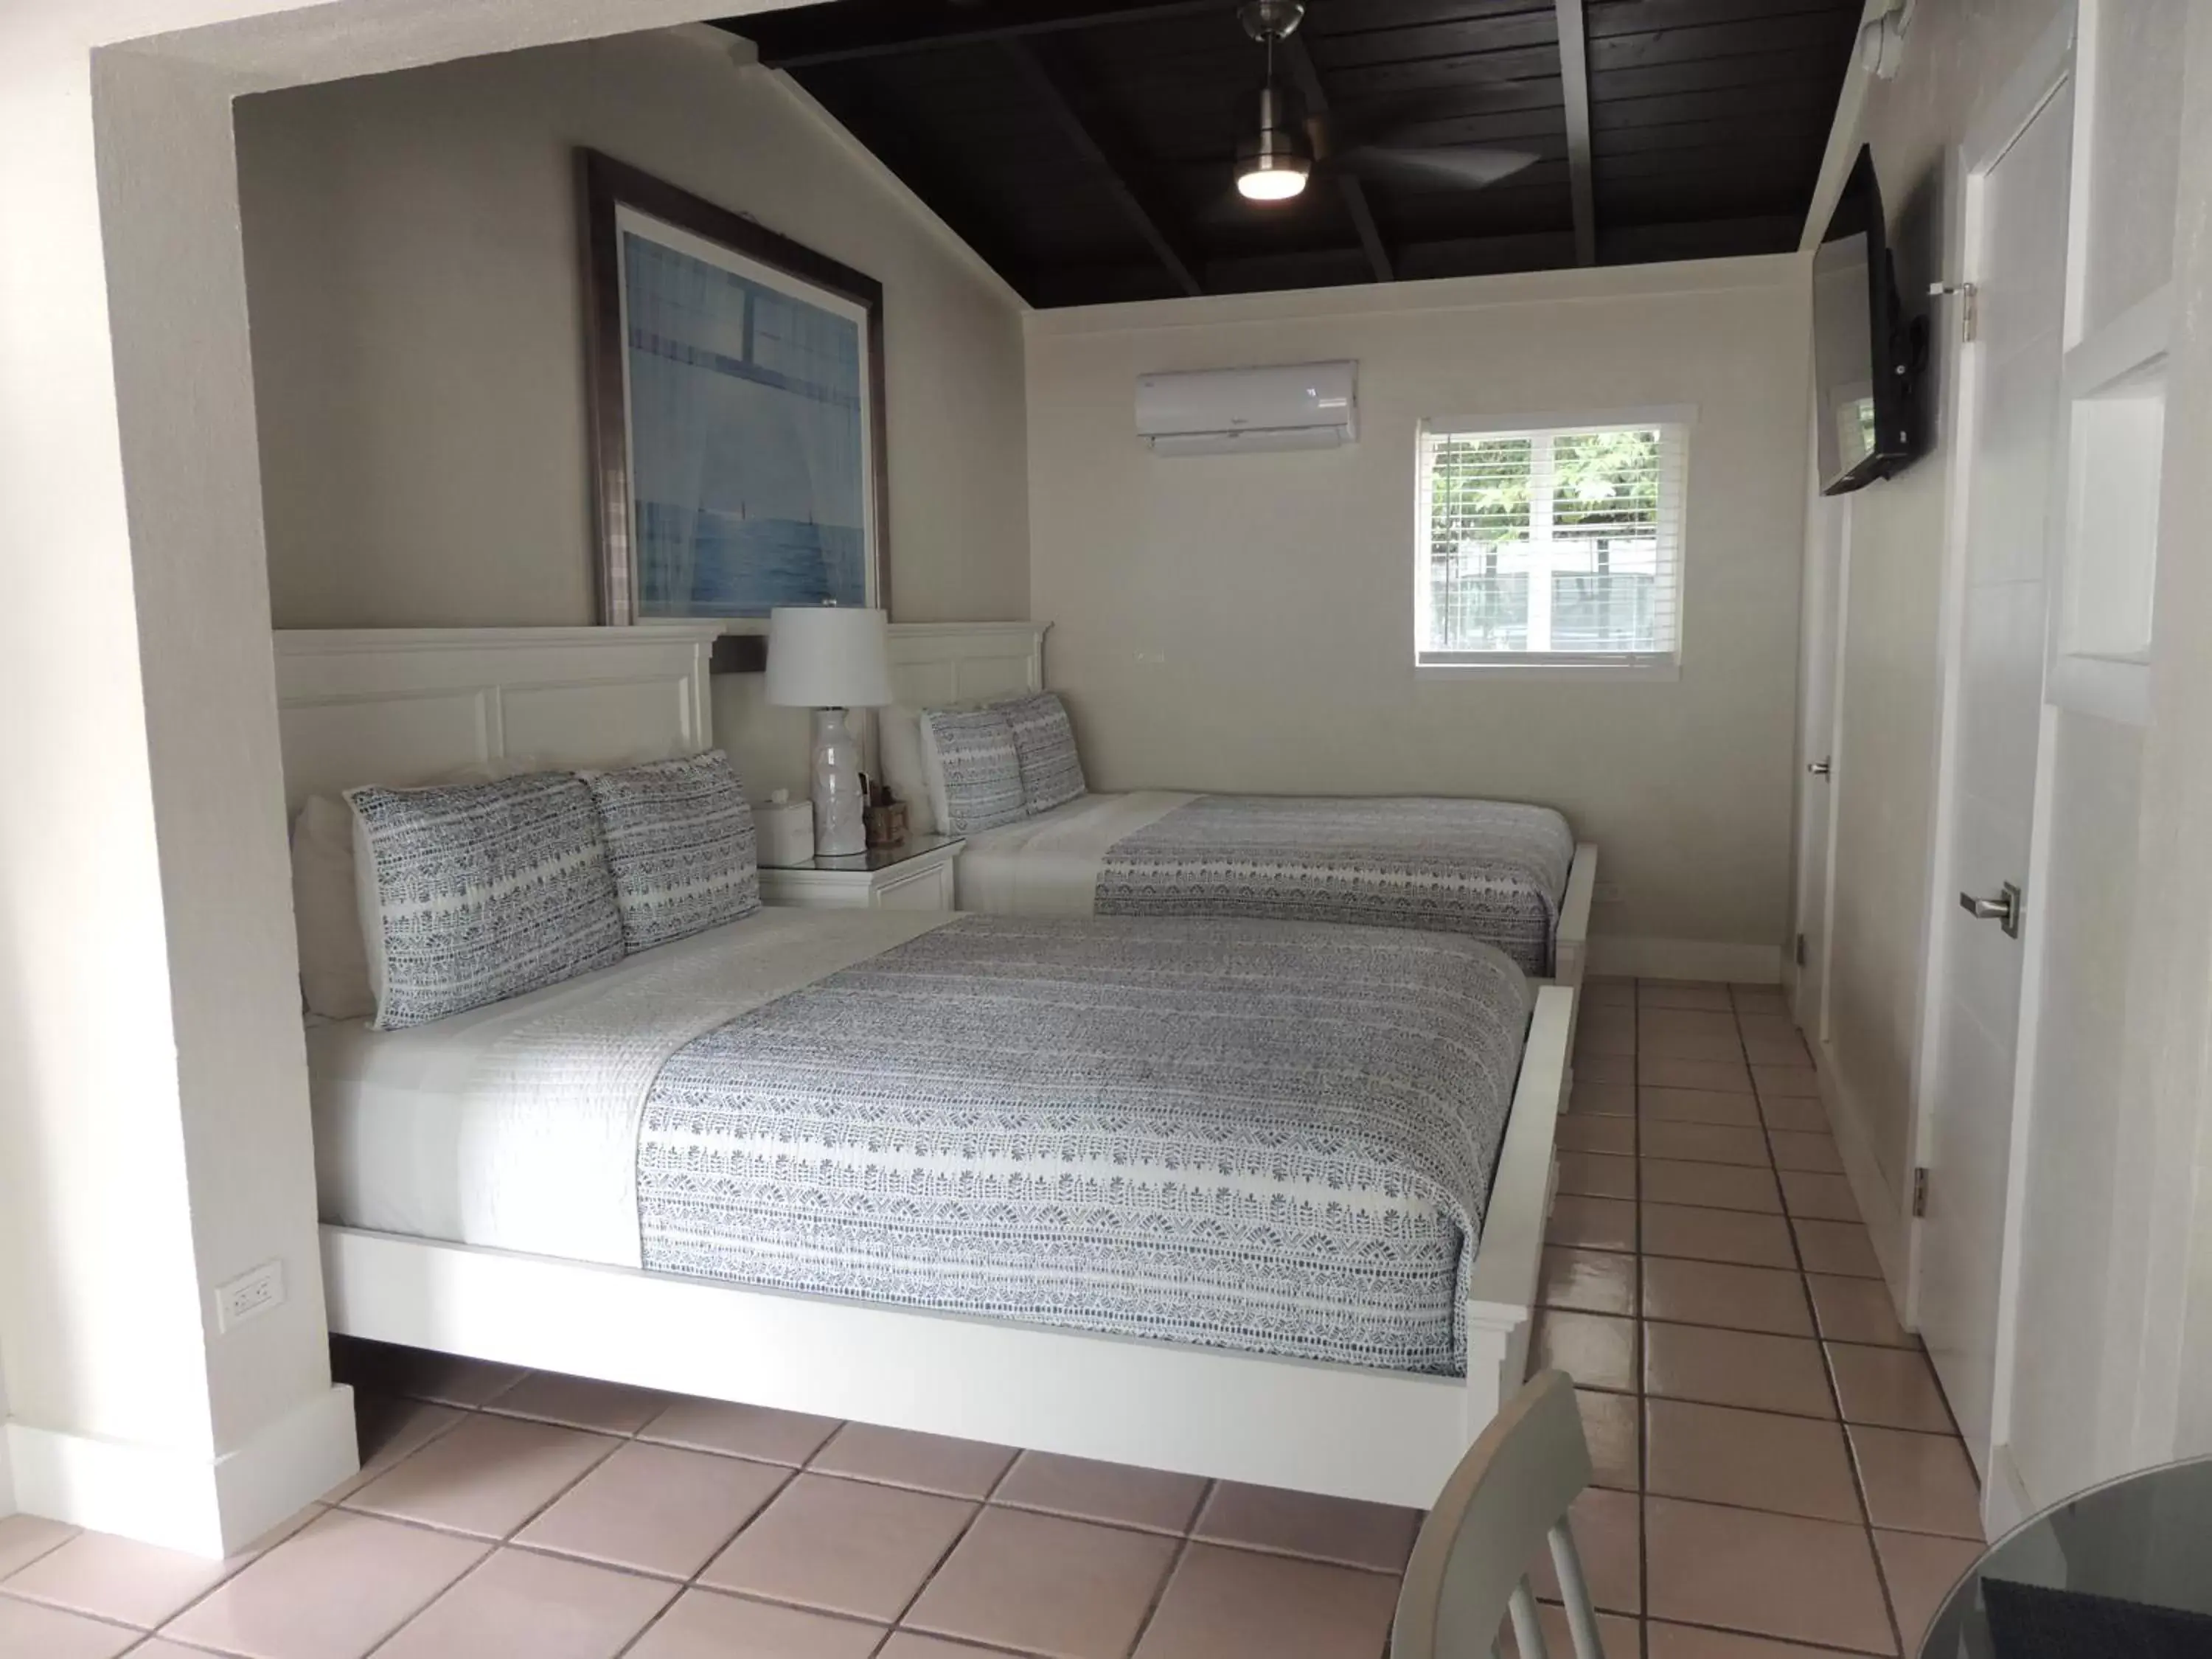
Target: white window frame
<point>1553,665</point>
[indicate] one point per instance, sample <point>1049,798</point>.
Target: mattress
<point>1267,1136</point>
<point>1494,870</point>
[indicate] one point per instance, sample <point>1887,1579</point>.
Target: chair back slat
<point>1510,1494</point>
<point>1528,1629</point>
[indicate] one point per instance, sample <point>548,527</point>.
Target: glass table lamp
<point>831,658</point>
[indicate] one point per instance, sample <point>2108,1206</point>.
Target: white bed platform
<point>403,706</point>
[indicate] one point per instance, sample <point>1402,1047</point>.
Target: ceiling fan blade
<point>1470,167</point>
<point>1394,119</point>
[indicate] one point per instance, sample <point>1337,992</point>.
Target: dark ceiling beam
<point>1574,80</point>
<point>856,29</point>
<point>1347,182</point>
<point>1104,154</point>
<point>910,149</point>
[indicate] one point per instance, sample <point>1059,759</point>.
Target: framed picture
<point>736,383</point>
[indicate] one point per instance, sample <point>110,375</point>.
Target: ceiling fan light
<point>1276,179</point>
<point>1272,165</point>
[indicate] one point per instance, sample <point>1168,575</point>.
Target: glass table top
<point>876,858</point>
<point>2121,1571</point>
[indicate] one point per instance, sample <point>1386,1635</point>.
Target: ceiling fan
<point>1274,164</point>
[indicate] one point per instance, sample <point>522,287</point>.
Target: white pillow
<point>334,974</point>
<point>473,893</point>
<point>898,743</point>
<point>333,961</point>
<point>974,770</point>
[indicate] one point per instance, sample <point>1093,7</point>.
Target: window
<point>1554,544</point>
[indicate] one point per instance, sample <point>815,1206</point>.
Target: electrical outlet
<point>251,1293</point>
<point>1606,893</point>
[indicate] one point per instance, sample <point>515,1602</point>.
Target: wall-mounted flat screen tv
<point>1866,358</point>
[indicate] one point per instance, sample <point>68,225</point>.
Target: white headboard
<point>401,706</point>
<point>933,664</point>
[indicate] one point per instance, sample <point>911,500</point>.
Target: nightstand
<point>915,874</point>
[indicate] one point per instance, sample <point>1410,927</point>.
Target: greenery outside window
<point>1555,544</point>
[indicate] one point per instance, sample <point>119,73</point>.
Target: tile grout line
<point>1643,1409</point>
<point>1175,1566</point>
<point>898,1621</point>
<point>1828,1378</point>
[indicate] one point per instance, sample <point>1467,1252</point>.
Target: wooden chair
<point>1510,1492</point>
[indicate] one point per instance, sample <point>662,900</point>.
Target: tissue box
<point>786,831</point>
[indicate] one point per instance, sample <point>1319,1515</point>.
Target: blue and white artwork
<point>750,475</point>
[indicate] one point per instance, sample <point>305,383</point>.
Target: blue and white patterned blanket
<point>1492,869</point>
<point>1261,1135</point>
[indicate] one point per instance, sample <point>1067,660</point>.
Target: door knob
<point>2004,910</point>
<point>1819,768</point>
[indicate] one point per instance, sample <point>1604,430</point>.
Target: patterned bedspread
<point>1260,1135</point>
<point>1492,869</point>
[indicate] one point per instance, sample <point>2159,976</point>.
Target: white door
<point>2016,259</point>
<point>1827,564</point>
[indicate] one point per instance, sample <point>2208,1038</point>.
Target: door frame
<point>2048,66</point>
<point>1824,626</point>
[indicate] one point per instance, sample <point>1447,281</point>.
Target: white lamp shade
<point>829,656</point>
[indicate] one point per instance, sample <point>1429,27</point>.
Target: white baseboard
<point>2006,1500</point>
<point>1881,1207</point>
<point>7,1475</point>
<point>209,1506</point>
<point>1615,957</point>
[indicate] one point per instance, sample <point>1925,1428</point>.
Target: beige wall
<point>1245,622</point>
<point>412,270</point>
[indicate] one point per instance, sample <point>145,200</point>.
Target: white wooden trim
<point>2135,340</point>
<point>2039,77</point>
<point>938,663</point>
<point>177,1499</point>
<point>1570,945</point>
<point>403,706</point>
<point>1888,1217</point>
<point>1616,956</point>
<point>2006,1499</point>
<point>1391,1437</point>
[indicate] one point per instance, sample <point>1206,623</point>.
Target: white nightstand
<point>916,874</point>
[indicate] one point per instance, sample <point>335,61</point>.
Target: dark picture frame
<point>606,187</point>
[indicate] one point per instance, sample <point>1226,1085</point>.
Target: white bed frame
<point>403,706</point>
<point>955,662</point>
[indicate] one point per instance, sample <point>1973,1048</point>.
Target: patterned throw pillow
<point>680,838</point>
<point>972,750</point>
<point>477,892</point>
<point>1052,771</point>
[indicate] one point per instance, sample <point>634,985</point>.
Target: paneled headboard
<point>403,706</point>
<point>937,663</point>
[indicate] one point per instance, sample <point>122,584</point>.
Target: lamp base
<point>841,821</point>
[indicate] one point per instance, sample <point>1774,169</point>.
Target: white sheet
<point>515,1125</point>
<point>1047,866</point>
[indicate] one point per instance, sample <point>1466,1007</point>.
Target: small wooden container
<point>887,824</point>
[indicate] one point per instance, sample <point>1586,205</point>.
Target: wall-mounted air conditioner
<point>1217,411</point>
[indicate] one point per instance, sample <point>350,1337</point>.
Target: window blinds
<point>1556,544</point>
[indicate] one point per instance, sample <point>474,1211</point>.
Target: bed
<point>937,1171</point>
<point>1506,872</point>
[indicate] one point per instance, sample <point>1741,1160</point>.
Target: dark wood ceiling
<point>1086,147</point>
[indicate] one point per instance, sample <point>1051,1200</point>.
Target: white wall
<point>1957,57</point>
<point>1245,622</point>
<point>2108,1233</point>
<point>412,268</point>
<point>153,1123</point>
